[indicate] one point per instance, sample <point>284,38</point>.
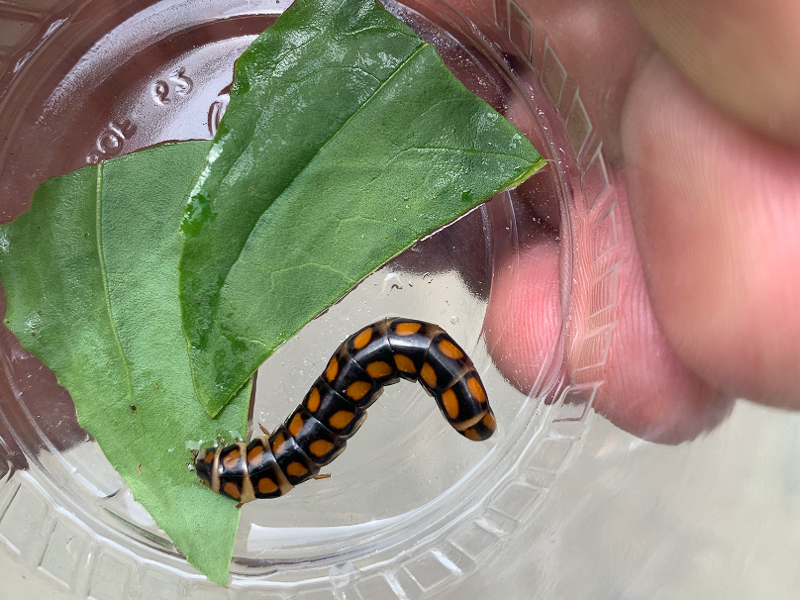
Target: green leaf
<point>345,141</point>
<point>91,280</point>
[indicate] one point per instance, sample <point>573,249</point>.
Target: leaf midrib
<point>374,94</point>
<point>98,224</point>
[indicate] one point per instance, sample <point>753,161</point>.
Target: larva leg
<point>264,429</point>
<point>322,476</point>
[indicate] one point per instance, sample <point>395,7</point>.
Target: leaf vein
<point>312,263</point>
<point>376,29</point>
<point>361,107</point>
<point>98,224</point>
<point>455,150</point>
<point>357,218</point>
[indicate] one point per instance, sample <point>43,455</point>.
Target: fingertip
<point>648,391</point>
<point>523,318</point>
<point>644,388</point>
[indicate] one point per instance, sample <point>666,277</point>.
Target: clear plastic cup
<point>409,512</point>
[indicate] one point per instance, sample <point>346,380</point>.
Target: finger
<point>743,54</point>
<point>647,391</point>
<point>523,317</point>
<point>716,210</point>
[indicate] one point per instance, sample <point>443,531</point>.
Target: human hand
<point>710,224</point>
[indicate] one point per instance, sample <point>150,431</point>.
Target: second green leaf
<point>346,140</point>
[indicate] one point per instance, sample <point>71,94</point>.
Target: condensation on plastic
<point>410,509</point>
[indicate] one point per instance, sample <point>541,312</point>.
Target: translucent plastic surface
<point>406,483</point>
<point>411,510</point>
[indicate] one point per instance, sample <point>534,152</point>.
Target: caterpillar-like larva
<point>335,407</point>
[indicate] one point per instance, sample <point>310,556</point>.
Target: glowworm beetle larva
<point>335,407</point>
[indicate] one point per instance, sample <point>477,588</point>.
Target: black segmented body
<point>333,410</point>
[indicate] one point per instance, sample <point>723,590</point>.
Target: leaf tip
<point>214,570</point>
<point>534,168</point>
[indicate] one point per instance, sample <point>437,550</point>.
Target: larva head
<point>204,464</point>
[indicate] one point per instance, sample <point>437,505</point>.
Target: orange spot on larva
<point>267,486</point>
<point>296,425</point>
<point>255,456</point>
<point>209,458</point>
<point>296,469</point>
<point>476,389</point>
<point>450,403</point>
<point>332,370</point>
<point>379,369</point>
<point>313,400</point>
<point>473,435</point>
<point>278,443</point>
<point>429,375</point>
<point>405,364</point>
<point>362,339</point>
<point>489,421</point>
<point>450,350</point>
<point>358,389</point>
<point>341,419</point>
<point>231,459</point>
<point>320,447</point>
<point>232,490</point>
<point>408,328</point>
